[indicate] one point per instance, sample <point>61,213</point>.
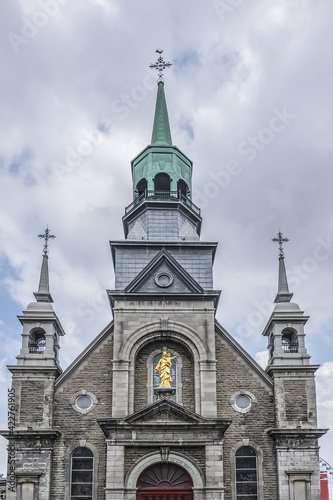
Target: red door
<point>164,481</point>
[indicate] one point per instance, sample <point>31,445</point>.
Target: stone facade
<point>226,425</point>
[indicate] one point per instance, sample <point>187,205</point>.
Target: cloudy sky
<point>250,102</point>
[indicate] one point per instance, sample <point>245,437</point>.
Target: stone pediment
<point>165,420</point>
<point>164,275</point>
<point>164,411</point>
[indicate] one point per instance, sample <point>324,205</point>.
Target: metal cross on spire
<point>160,65</point>
<point>280,241</point>
<point>46,236</point>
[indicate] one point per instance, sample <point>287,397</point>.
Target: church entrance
<point>165,481</point>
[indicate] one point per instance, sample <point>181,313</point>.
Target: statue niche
<point>164,367</point>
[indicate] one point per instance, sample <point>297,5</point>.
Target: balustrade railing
<point>162,195</point>
<point>36,350</point>
<point>290,347</point>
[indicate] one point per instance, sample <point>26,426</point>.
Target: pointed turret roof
<point>161,135</point>
<point>43,294</point>
<point>283,294</point>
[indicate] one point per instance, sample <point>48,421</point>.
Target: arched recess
<point>140,187</point>
<point>150,375</point>
<point>183,188</point>
<point>162,182</point>
<point>81,444</point>
<point>153,458</point>
<point>37,341</point>
<point>259,455</point>
<point>152,331</point>
<point>289,340</point>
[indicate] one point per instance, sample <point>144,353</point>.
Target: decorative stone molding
<point>164,323</point>
<point>139,467</point>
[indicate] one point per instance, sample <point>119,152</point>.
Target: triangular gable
<point>162,265</point>
<point>164,410</point>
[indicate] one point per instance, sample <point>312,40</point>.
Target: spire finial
<point>46,236</point>
<point>280,240</point>
<point>160,65</point>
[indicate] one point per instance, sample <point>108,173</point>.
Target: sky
<point>249,96</point>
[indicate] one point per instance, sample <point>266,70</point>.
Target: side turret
<point>295,432</point>
<point>31,434</point>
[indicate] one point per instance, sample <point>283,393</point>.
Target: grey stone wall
<point>296,407</point>
<point>33,457</point>
<point>93,375</point>
<point>233,375</point>
<point>31,401</point>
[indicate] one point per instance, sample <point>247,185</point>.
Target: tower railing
<point>149,194</point>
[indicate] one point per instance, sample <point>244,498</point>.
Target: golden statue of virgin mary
<point>164,367</point>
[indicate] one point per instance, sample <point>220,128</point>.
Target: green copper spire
<point>161,135</point>
<point>161,169</point>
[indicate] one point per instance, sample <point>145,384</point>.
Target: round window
<point>164,279</point>
<point>243,401</point>
<point>84,402</point>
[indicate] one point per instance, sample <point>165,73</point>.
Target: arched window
<point>37,341</point>
<point>156,375</point>
<point>246,473</point>
<point>162,183</point>
<point>183,188</point>
<point>289,341</point>
<point>82,467</point>
<point>141,187</point>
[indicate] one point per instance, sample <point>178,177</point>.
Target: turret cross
<point>280,240</point>
<point>46,236</point>
<point>160,65</point>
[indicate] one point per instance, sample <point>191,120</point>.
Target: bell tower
<point>295,433</point>
<point>32,434</point>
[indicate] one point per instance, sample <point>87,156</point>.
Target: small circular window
<point>164,279</point>
<point>243,401</point>
<point>84,402</point>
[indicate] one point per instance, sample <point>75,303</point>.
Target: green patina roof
<point>161,135</point>
<point>161,157</point>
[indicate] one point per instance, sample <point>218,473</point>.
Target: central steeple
<point>161,135</point>
<point>162,207</point>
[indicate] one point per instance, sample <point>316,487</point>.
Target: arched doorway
<point>165,481</point>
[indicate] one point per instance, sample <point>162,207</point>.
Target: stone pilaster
<point>115,470</point>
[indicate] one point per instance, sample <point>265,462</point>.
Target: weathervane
<point>46,236</point>
<point>160,65</point>
<point>280,240</point>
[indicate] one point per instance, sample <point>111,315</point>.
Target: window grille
<point>82,474</point>
<point>246,474</point>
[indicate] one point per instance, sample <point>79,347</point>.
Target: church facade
<point>164,404</point>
